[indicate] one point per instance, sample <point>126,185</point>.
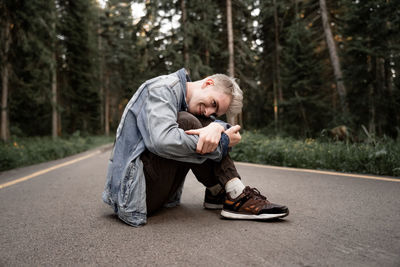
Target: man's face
<point>209,101</point>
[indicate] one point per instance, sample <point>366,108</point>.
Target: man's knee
<point>188,121</point>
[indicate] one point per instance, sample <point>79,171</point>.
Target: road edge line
<point>320,172</point>
<point>38,173</point>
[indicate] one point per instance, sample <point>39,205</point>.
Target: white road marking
<point>35,174</point>
<point>370,177</point>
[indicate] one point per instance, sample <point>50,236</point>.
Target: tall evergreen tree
<point>80,95</point>
<point>6,11</point>
<point>304,111</point>
<point>30,60</point>
<point>265,96</point>
<point>202,34</point>
<point>370,33</point>
<point>84,62</point>
<point>118,60</point>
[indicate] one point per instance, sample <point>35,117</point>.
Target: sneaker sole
<point>211,206</point>
<point>264,216</point>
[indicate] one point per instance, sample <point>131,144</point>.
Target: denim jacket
<point>150,121</point>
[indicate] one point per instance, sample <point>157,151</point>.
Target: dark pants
<point>164,176</point>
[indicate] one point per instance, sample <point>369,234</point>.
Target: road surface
<point>54,216</point>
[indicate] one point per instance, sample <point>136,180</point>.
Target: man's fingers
<point>208,139</point>
<point>214,147</point>
<point>210,147</point>
<point>192,132</point>
<point>207,149</point>
<point>199,146</point>
<point>204,148</point>
<point>235,128</point>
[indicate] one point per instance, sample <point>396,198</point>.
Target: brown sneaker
<point>251,205</point>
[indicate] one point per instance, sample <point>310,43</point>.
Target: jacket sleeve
<point>164,137</point>
<point>224,124</point>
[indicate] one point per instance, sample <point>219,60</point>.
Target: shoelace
<point>254,193</point>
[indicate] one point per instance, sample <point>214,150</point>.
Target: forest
<point>305,66</point>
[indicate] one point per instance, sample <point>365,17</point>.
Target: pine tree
<point>202,37</point>
<point>370,33</point>
<point>30,60</point>
<point>301,72</point>
<point>265,96</point>
<point>118,60</point>
<point>290,35</point>
<point>6,11</point>
<point>80,95</point>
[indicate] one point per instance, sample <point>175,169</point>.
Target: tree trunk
<point>276,117</point>
<point>4,107</point>
<point>303,115</point>
<point>207,50</point>
<point>4,83</point>
<point>185,42</point>
<point>381,91</point>
<point>107,106</point>
<point>341,89</point>
<point>54,97</point>
<point>207,56</point>
<point>54,130</point>
<point>371,98</point>
<point>276,78</point>
<point>231,67</point>
<point>277,54</point>
<point>101,68</point>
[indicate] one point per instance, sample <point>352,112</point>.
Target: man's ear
<point>207,82</point>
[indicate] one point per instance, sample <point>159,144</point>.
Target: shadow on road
<point>189,213</point>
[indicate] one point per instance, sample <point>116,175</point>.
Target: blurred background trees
<point>71,66</point>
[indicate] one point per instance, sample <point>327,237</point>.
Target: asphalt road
<point>56,217</point>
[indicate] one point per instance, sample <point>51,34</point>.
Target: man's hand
<point>209,137</point>
<point>234,135</point>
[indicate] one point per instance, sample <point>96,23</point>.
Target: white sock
<point>215,189</point>
<point>234,187</point>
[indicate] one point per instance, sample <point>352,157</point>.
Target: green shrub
<point>380,157</point>
<point>26,151</point>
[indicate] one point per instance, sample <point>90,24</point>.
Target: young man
<point>168,128</point>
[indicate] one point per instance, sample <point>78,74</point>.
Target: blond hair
<point>229,86</point>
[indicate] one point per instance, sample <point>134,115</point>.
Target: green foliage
<point>371,55</point>
<point>26,151</point>
<point>80,94</point>
<point>30,58</point>
<point>301,82</point>
<point>379,158</point>
<point>201,38</point>
<point>104,51</point>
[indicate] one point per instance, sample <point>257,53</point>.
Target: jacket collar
<point>183,79</point>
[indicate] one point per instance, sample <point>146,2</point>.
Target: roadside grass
<point>20,152</point>
<point>378,156</point>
